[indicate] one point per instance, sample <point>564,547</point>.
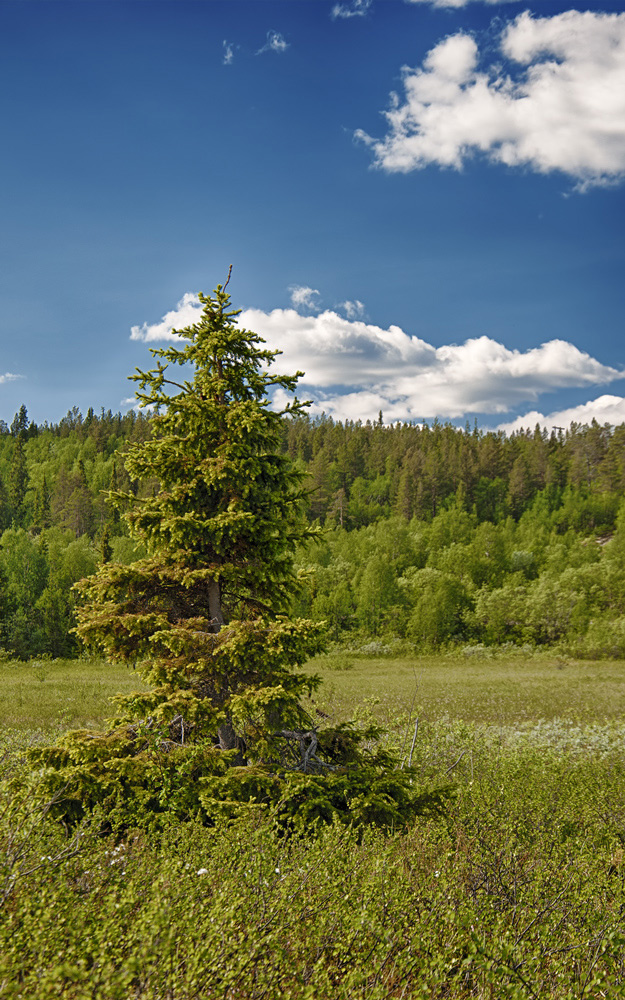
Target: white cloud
<point>563,111</point>
<point>187,311</point>
<point>353,310</point>
<point>604,409</point>
<point>455,4</point>
<point>275,43</point>
<point>9,377</point>
<point>355,8</point>
<point>354,369</point>
<point>410,379</point>
<point>303,297</point>
<point>228,48</point>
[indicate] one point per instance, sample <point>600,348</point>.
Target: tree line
<point>431,534</point>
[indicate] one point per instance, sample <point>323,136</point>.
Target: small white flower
<point>277,871</point>
<point>202,871</point>
<point>436,874</point>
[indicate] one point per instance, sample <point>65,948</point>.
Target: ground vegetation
<point>519,894</point>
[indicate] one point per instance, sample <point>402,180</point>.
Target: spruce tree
<point>204,616</point>
<point>221,534</point>
<point>18,479</point>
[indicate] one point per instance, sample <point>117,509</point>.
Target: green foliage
<point>142,777</point>
<point>18,480</point>
<point>491,509</point>
<point>439,603</point>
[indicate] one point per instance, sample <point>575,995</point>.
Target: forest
<point>429,536</point>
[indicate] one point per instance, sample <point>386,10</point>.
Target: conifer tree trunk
<point>214,605</point>
<point>228,738</point>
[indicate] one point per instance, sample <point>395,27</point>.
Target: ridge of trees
<point>56,525</point>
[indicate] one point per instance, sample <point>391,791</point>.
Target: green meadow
<point>479,686</point>
<point>46,694</point>
<point>486,687</point>
<point>519,892</point>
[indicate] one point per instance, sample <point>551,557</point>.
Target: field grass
<point>519,893</point>
<point>505,689</point>
<point>68,694</point>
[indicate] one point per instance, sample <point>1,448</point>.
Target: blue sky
<point>423,200</point>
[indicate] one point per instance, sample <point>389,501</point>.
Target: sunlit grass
<point>48,694</point>
<point>502,691</point>
<point>506,690</point>
<point>517,894</point>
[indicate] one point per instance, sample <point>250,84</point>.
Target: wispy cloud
<point>228,48</point>
<point>455,4</point>
<point>564,110</point>
<point>303,297</point>
<point>604,409</point>
<point>354,369</point>
<point>9,377</point>
<point>275,43</point>
<point>353,310</point>
<point>354,8</point>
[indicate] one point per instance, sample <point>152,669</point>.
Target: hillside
<point>432,535</point>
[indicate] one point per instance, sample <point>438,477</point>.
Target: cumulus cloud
<point>604,409</point>
<point>9,377</point>
<point>303,297</point>
<point>354,369</point>
<point>187,311</point>
<point>275,43</point>
<point>562,109</point>
<point>355,8</point>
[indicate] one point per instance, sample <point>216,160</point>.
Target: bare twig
<point>307,744</point>
<point>414,740</point>
<point>456,762</point>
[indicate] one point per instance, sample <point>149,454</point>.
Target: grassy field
<point>67,694</point>
<point>506,689</point>
<point>519,893</point>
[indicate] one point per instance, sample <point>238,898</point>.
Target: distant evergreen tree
<point>18,479</point>
<point>19,426</point>
<point>106,551</point>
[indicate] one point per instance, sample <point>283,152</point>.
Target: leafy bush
<point>604,639</point>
